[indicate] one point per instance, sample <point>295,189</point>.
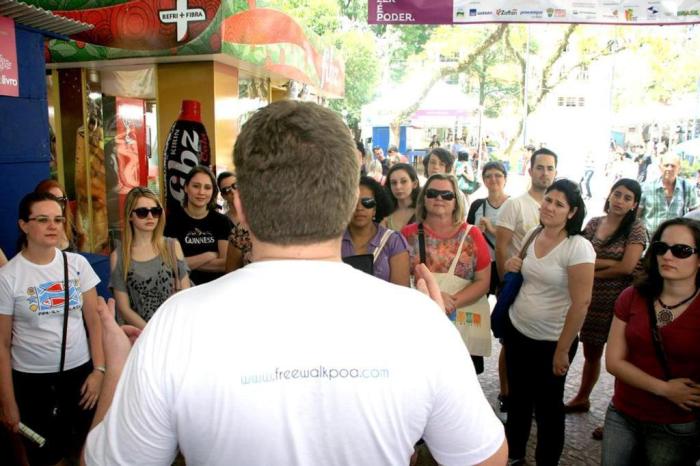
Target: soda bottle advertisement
<point>187,146</point>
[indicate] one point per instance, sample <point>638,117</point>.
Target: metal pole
<point>525,84</point>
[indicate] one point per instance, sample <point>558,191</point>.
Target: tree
<point>434,76</point>
<point>361,73</point>
<point>326,18</point>
<point>586,47</point>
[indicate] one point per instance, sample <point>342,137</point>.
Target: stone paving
<point>579,447</point>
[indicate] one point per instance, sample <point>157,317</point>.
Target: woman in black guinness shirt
<point>200,229</point>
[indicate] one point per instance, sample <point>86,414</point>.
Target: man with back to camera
<point>668,196</point>
<point>284,362</point>
<point>517,216</point>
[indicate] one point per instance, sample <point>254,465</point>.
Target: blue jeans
<point>627,441</point>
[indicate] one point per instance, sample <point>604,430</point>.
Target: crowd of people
<point>297,358</point>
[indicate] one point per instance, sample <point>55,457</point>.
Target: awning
<point>38,18</point>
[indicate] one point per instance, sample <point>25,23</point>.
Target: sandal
<point>597,433</point>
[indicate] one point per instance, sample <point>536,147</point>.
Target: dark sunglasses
<point>368,202</point>
<point>229,189</point>
<point>142,212</point>
<point>681,251</point>
<point>444,195</point>
<point>61,199</point>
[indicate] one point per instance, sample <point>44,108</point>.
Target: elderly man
<point>283,362</point>
<point>667,197</point>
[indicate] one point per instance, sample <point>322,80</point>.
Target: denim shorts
<point>627,441</point>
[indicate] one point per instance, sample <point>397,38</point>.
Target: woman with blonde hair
<point>146,267</point>
<point>458,255</point>
<point>73,238</point>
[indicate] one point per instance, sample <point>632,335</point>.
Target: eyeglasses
<point>229,189</point>
<point>142,212</point>
<point>368,202</point>
<point>681,251</point>
<point>444,195</point>
<point>44,220</point>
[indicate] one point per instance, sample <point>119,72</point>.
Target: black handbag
<point>510,287</point>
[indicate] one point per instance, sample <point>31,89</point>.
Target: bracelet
<point>102,369</point>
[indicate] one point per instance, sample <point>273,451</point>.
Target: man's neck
<point>322,251</point>
<point>669,184</point>
<point>536,194</point>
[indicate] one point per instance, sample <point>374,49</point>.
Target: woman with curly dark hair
<point>365,235</point>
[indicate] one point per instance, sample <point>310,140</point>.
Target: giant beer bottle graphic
<point>187,146</point>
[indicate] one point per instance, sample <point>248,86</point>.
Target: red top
<point>681,343</point>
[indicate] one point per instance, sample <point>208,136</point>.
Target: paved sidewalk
<point>579,447</point>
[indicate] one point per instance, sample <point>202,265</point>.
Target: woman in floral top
<point>441,211</point>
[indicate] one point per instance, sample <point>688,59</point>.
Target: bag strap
<point>523,250</point>
<point>453,265</point>
<point>66,298</point>
<point>656,340</point>
<point>385,237</point>
<point>177,286</point>
<point>421,243</point>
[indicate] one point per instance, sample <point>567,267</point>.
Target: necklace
<point>666,312</point>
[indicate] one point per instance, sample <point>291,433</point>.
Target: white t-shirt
<point>540,309</point>
<point>34,295</point>
<point>519,215</point>
<point>297,363</point>
<point>492,214</point>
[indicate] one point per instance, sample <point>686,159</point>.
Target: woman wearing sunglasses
<point>619,239</point>
<point>454,250</point>
<point>201,230</point>
<point>365,235</point>
<point>544,320</point>
<point>403,191</point>
<point>72,238</point>
<point>238,252</point>
<point>50,371</point>
<point>654,354</point>
<point>143,265</point>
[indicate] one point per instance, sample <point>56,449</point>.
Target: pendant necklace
<point>666,312</point>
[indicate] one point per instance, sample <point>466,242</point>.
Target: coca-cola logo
<point>178,168</point>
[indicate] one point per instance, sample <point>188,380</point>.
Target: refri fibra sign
<point>9,75</point>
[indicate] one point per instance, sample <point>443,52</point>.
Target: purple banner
<point>414,11</point>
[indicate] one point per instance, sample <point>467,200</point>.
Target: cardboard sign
<point>9,73</point>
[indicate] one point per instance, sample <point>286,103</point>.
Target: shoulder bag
<point>56,411</point>
<point>472,321</point>
<point>510,287</point>
<point>177,285</point>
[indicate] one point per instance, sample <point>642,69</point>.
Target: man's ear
<point>240,210</point>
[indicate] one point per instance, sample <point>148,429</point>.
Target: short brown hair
<point>297,173</point>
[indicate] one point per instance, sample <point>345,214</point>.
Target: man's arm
<point>133,423</point>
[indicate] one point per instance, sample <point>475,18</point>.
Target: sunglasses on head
<point>368,202</point>
<point>681,251</point>
<point>142,212</point>
<point>229,189</point>
<point>444,195</point>
<point>60,199</point>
